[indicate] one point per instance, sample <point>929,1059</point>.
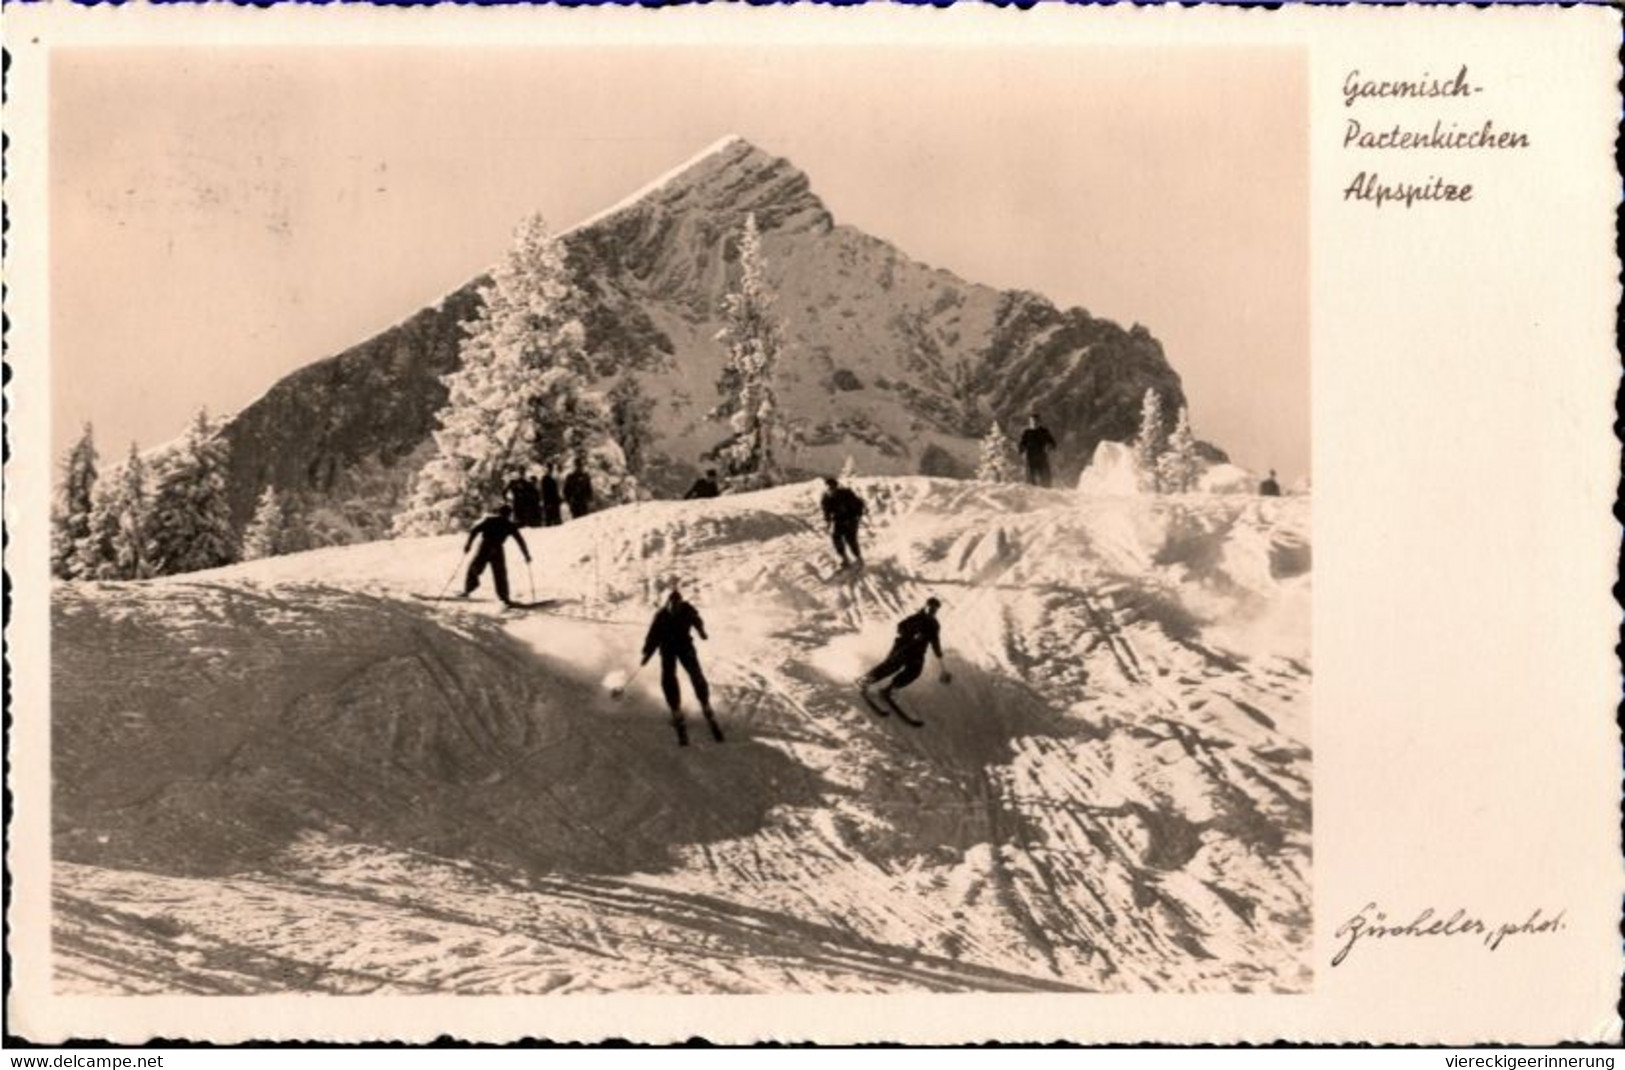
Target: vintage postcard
<point>808,524</point>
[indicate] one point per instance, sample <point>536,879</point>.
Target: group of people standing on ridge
<point>540,504</point>
<point>671,632</point>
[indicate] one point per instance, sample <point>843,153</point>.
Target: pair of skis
<point>885,705</point>
<point>542,603</point>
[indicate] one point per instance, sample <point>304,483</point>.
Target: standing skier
<point>916,633</point>
<point>492,532</point>
<point>704,487</point>
<point>669,634</point>
<point>552,511</point>
<point>578,491</point>
<point>526,500</point>
<point>1036,442</point>
<point>843,513</point>
<point>1270,488</point>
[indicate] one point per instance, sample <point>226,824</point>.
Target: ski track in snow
<point>290,775</point>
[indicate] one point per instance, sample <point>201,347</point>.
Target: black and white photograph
<point>727,536</point>
<point>741,525</point>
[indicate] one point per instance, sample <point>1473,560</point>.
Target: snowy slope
<point>291,775</point>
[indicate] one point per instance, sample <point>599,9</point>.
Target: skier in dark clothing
<point>916,634</point>
<point>843,514</point>
<point>704,487</point>
<point>526,499</point>
<point>492,532</point>
<point>669,635</point>
<point>1270,488</point>
<point>1036,442</point>
<point>552,504</point>
<point>578,491</point>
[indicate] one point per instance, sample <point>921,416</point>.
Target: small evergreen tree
<point>115,543</point>
<point>751,334</point>
<point>997,463</point>
<point>189,524</point>
<point>70,512</point>
<point>1148,442</point>
<point>630,414</point>
<point>272,531</point>
<point>520,396</point>
<point>849,470</point>
<point>1179,466</point>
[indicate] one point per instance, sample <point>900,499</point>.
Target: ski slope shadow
<point>202,728</point>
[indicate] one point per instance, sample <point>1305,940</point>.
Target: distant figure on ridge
<point>526,499</point>
<point>704,487</point>
<point>578,491</point>
<point>916,633</point>
<point>669,634</point>
<point>1035,444</point>
<point>843,513</point>
<point>1270,488</point>
<point>492,532</point>
<point>552,504</point>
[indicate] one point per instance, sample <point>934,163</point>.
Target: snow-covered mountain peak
<point>891,362</point>
<point>726,180</point>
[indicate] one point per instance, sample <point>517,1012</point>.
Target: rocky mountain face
<point>897,364</point>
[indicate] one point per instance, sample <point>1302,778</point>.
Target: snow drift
<point>292,776</point>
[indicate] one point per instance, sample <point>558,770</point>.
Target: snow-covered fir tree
<point>1148,441</point>
<point>520,397</point>
<point>751,334</point>
<point>630,414</point>
<point>189,521</point>
<point>849,469</point>
<point>115,544</point>
<point>997,463</point>
<point>70,512</point>
<point>272,532</point>
<point>1179,465</point>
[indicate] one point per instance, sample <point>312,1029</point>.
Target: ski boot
<point>711,719</point>
<point>682,730</point>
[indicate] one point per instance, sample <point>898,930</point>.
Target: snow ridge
<point>645,190</point>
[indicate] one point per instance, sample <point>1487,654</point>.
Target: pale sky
<point>221,217</point>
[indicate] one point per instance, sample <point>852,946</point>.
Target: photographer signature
<point>1369,923</point>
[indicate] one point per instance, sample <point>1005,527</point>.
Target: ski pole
<point>617,692</point>
<point>445,586</point>
<point>532,577</point>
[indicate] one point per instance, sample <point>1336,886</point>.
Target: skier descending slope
<point>1036,442</point>
<point>843,513</point>
<point>916,634</point>
<point>492,532</point>
<point>669,634</point>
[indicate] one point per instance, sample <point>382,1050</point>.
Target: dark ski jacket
<point>1036,442</point>
<point>669,631</point>
<point>527,501</point>
<point>842,505</point>
<point>918,632</point>
<point>704,487</point>
<point>492,532</point>
<point>1270,489</point>
<point>550,491</point>
<point>578,489</point>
